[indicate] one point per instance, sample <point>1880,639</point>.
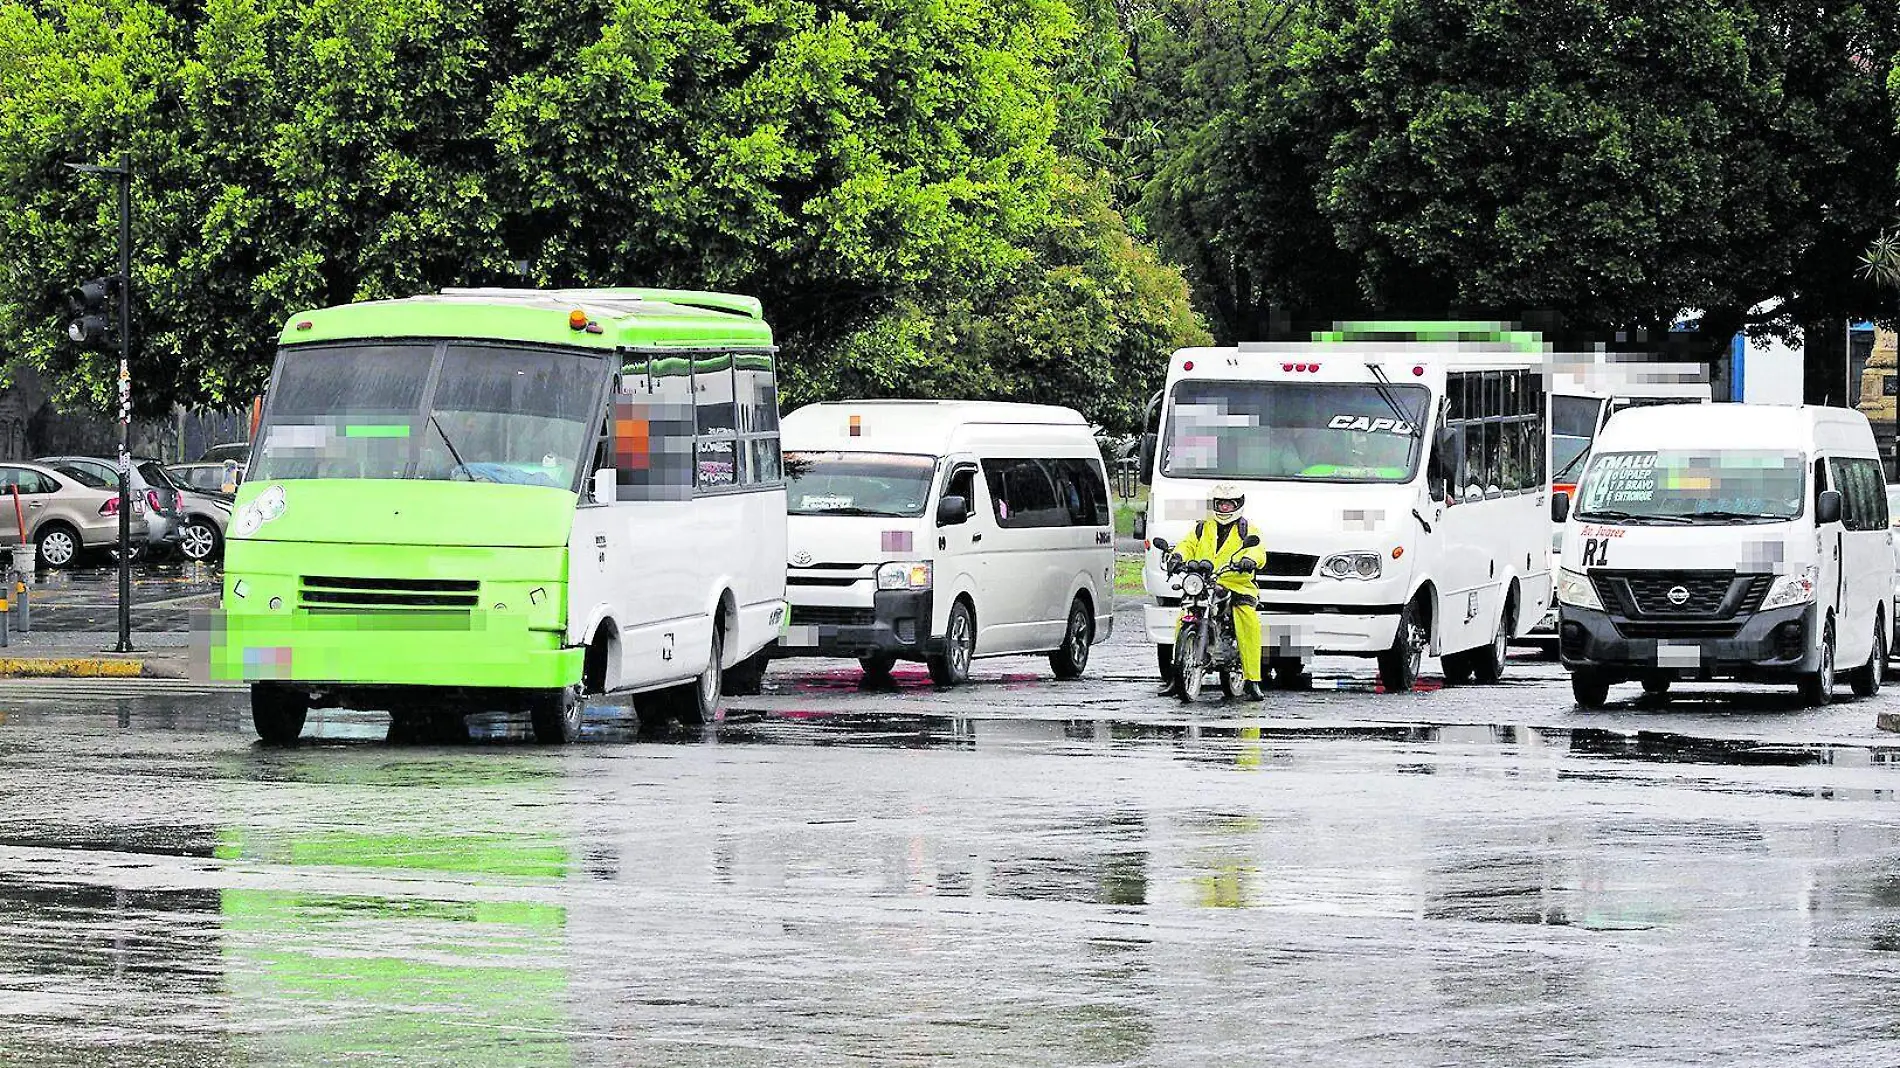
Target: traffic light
<point>91,324</point>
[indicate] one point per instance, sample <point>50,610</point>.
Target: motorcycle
<point>1204,638</point>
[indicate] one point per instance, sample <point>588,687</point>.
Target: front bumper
<point>1357,630</point>
<point>897,624</point>
<point>1773,645</point>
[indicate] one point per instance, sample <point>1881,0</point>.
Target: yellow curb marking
<point>75,667</point>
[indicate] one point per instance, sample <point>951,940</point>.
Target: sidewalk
<point>89,654</point>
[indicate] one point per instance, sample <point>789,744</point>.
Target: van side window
<point>962,484</point>
<point>1863,492</point>
<point>1083,490</point>
<point>1023,494</point>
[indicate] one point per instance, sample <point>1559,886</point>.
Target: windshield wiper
<point>1384,386</point>
<point>847,510</point>
<point>1630,517</point>
<point>1569,467</point>
<point>1720,514</point>
<point>452,451</point>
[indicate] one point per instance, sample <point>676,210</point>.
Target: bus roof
<point>616,318</point>
<point>894,425</point>
<point>1402,331</point>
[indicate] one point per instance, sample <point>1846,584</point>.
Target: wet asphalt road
<point>1017,873</point>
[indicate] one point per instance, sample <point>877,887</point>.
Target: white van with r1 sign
<point>1727,541</point>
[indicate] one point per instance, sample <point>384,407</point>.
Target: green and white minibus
<point>507,500</point>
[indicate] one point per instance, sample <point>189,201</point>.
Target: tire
<point>555,716</point>
<point>747,678</point>
<point>199,540</point>
<point>1487,664</point>
<point>1069,661</point>
<point>1817,687</point>
<point>278,713</point>
<point>1229,684</point>
<point>1866,680</point>
<point>1589,688</point>
<point>1456,668</point>
<point>1190,670</point>
<point>59,545</point>
<point>1656,687</point>
<point>952,667</point>
<point>697,702</point>
<point>878,666</point>
<point>1164,662</point>
<point>1398,666</point>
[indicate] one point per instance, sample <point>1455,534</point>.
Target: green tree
<point>869,168</point>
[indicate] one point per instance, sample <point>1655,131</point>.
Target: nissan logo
<point>1678,595</point>
<point>801,559</point>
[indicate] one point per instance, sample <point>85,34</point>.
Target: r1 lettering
<point>1596,552</point>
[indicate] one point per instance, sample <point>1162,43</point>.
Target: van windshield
<point>857,483</point>
<point>1693,486</point>
<point>1304,432</point>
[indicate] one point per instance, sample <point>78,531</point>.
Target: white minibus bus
<point>1727,541</point>
<point>1398,484</point>
<point>944,531</point>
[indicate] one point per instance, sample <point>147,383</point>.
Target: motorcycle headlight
<point>1797,588</point>
<point>1577,591</point>
<point>1361,565</point>
<point>1193,584</point>
<point>904,575</point>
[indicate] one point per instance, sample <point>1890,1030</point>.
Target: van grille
<point>1707,594</point>
<point>814,615</point>
<point>331,593</point>
<point>1290,565</point>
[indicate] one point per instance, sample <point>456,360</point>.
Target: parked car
<point>149,483</point>
<point>214,478</point>
<point>237,452</point>
<point>206,516</point>
<point>66,512</point>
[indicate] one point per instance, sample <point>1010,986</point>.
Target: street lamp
<point>91,328</point>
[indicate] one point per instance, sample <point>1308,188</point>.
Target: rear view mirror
<point>1559,507</point>
<point>1161,545</point>
<point>1827,509</point>
<point>1148,443</point>
<point>603,486</point>
<point>952,510</point>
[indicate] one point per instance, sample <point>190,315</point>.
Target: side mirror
<point>603,486</point>
<point>1827,509</point>
<point>1141,525</point>
<point>1149,442</point>
<point>953,510</point>
<point>1161,545</point>
<point>1252,542</point>
<point>1559,507</point>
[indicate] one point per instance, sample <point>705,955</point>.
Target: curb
<point>1888,721</point>
<point>69,667</point>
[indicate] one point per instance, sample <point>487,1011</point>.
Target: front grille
<point>818,615</point>
<point>794,578</point>
<point>1707,595</point>
<point>332,593</point>
<point>1290,565</point>
<point>1631,628</point>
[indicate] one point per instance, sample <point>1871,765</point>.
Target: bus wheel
<point>1487,664</point>
<point>698,701</point>
<point>1398,666</point>
<point>1590,688</point>
<point>278,713</point>
<point>555,716</point>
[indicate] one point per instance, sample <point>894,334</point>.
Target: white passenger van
<point>1727,541</point>
<point>944,531</point>
<point>1396,476</point>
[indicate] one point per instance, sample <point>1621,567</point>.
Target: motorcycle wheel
<point>1190,671</point>
<point>1229,684</point>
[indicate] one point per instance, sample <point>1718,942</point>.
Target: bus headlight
<point>1577,591</point>
<point>904,575</point>
<point>1797,588</point>
<point>1352,566</point>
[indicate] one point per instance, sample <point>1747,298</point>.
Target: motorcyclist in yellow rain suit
<point>1221,543</point>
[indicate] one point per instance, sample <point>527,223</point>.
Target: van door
<point>1865,554</point>
<point>960,563</point>
<point>1830,542</point>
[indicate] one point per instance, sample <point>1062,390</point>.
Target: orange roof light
<point>577,320</point>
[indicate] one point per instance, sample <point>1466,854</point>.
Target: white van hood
<point>1710,547</point>
<point>854,539</point>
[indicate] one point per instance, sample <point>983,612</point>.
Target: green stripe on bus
<point>397,430</point>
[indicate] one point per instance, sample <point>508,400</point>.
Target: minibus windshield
<point>1286,431</point>
<point>1692,486</point>
<point>857,483</point>
<point>494,413</point>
